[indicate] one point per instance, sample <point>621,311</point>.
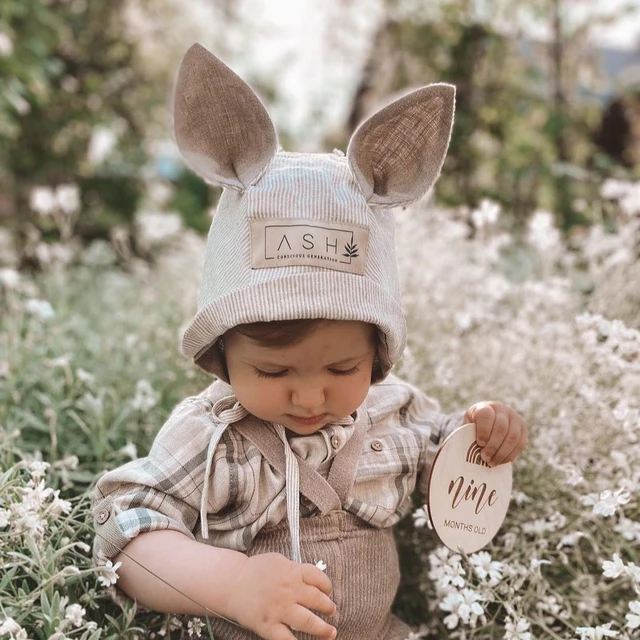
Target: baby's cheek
<point>268,398</point>
<point>352,393</point>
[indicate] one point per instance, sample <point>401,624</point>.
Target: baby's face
<point>328,374</point>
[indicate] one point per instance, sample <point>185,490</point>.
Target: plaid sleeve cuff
<point>113,531</point>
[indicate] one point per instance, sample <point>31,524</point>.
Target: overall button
<point>335,442</point>
<point>102,516</point>
<point>376,445</point>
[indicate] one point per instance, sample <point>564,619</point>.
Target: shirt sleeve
<point>159,492</point>
<point>423,413</point>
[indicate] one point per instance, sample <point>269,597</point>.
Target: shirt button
<point>376,445</point>
<point>335,442</point>
<point>102,516</point>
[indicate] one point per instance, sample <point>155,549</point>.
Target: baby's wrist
<point>225,594</point>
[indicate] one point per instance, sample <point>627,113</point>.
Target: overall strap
<point>312,485</point>
<point>344,467</point>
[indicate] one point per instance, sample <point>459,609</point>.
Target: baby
<point>267,501</point>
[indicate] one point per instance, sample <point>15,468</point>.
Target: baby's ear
<point>396,154</point>
<point>222,129</point>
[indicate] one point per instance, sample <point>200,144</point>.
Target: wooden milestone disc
<point>467,499</point>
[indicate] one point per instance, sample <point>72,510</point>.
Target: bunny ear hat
<point>301,235</point>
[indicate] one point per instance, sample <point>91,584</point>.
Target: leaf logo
<point>352,251</point>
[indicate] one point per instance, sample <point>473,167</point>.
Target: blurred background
<point>548,106</point>
<point>520,275</point>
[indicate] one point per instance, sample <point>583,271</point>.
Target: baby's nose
<point>310,399</point>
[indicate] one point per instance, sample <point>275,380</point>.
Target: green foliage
<point>194,198</point>
<point>72,68</point>
<point>511,141</point>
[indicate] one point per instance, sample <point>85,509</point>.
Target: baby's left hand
<point>500,431</point>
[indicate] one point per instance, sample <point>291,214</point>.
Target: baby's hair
<point>287,333</point>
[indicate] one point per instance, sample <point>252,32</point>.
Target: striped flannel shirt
<point>163,490</point>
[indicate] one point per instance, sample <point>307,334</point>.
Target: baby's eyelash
<point>350,372</point>
<point>280,374</point>
<point>264,374</point>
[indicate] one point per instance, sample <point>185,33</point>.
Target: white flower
<point>34,496</point>
<point>6,45</point>
<point>85,376</point>
<point>486,214</point>
<point>608,501</point>
<point>37,469</point>
<point>9,278</point>
<point>102,142</point>
<point>444,570</point>
<point>633,618</point>
<point>634,572</point>
<point>61,361</point>
<point>75,613</point>
<point>612,189</point>
<point>58,506</point>
<point>69,462</point>
<point>464,606</point>
<point>421,517</point>
<point>613,569</point>
<point>542,232</point>
<point>574,476</point>
<point>520,497</point>
<point>40,308</point>
<point>108,575</point>
<point>517,630</point>
<point>91,404</point>
<point>155,228</point>
<point>321,565</point>
<point>159,192</point>
<point>9,626</point>
<point>146,398</point>
<point>628,529</point>
<point>535,563</point>
<point>130,450</point>
<point>570,539</point>
<point>596,633</point>
<point>68,198</point>
<point>484,566</point>
<point>42,200</point>
<point>195,627</point>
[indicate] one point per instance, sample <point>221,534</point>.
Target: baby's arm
<point>266,593</point>
<point>146,512</point>
<point>192,568</point>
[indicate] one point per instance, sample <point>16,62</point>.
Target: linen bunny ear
<point>222,129</point>
<point>396,154</point>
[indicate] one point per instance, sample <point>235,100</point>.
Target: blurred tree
<point>71,69</point>
<point>85,93</point>
<point>522,130</point>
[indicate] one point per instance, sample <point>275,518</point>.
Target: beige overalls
<point>361,560</point>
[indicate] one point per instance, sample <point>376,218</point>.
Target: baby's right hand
<point>272,595</point>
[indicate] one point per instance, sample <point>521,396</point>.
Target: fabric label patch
<point>286,242</point>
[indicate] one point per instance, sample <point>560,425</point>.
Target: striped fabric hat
<point>299,235</point>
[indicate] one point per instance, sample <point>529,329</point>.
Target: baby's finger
<point>312,598</point>
<point>483,414</point>
<point>301,619</point>
<point>498,433</point>
<point>509,443</point>
<point>313,576</point>
<point>282,632</point>
<point>522,443</point>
